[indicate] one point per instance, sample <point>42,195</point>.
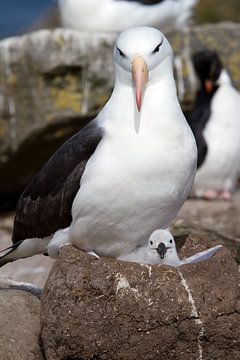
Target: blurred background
<point>18,16</point>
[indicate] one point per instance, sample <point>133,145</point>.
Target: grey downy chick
<point>161,249</point>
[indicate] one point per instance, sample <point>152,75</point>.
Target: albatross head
<point>163,243</point>
<point>138,56</point>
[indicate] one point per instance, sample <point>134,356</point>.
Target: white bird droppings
<point>194,313</point>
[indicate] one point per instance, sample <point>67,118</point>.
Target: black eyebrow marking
<point>157,48</point>
<point>121,52</point>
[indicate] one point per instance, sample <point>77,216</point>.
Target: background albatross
<point>117,15</point>
<point>123,175</point>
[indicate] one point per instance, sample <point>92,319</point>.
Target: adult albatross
<point>123,175</point>
<point>117,15</point>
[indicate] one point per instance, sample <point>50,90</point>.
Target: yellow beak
<point>140,78</point>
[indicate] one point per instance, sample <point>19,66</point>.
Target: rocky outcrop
<point>53,82</point>
<point>20,325</point>
<point>217,219</point>
<point>220,37</point>
<point>106,309</point>
<point>49,88</point>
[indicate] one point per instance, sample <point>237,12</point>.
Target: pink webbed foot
<point>217,195</point>
<point>225,195</point>
<point>210,195</point>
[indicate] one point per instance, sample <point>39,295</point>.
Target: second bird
<point>215,121</point>
<point>117,15</point>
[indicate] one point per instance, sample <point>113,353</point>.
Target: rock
<point>53,82</point>
<point>49,89</point>
<point>218,219</point>
<point>106,309</point>
<point>32,270</point>
<point>20,325</point>
<point>220,37</point>
<point>217,10</point>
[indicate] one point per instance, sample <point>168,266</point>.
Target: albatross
<point>117,15</point>
<point>215,122</point>
<point>123,175</point>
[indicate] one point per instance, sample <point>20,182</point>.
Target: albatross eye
<point>121,53</point>
<point>157,48</point>
<point>151,242</point>
<point>170,241</point>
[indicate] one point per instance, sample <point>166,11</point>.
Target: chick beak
<point>161,249</point>
<point>140,78</point>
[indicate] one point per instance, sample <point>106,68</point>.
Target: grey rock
<point>221,37</point>
<point>106,309</point>
<point>49,88</point>
<point>218,219</point>
<point>20,325</point>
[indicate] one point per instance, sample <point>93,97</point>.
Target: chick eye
<point>151,242</point>
<point>170,241</point>
<point>121,53</point>
<point>157,48</point>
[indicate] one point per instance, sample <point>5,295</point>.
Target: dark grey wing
<point>201,256</point>
<point>197,119</point>
<point>202,150</point>
<point>45,205</point>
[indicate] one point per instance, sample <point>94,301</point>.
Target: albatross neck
<point>159,100</point>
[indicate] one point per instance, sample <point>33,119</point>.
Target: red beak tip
<point>139,102</point>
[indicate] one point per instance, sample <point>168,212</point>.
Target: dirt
<point>106,309</point>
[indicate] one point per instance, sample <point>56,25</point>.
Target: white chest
<point>224,124</point>
<point>221,166</point>
<point>130,188</point>
<point>139,175</point>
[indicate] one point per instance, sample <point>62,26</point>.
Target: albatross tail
<point>8,256</point>
<point>23,249</point>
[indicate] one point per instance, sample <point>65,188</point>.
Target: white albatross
<point>215,121</point>
<point>124,174</point>
<point>161,249</point>
<point>117,15</point>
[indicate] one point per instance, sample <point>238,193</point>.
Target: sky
<point>17,15</point>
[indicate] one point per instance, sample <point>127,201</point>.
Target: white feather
<point>112,15</point>
<point>220,169</point>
